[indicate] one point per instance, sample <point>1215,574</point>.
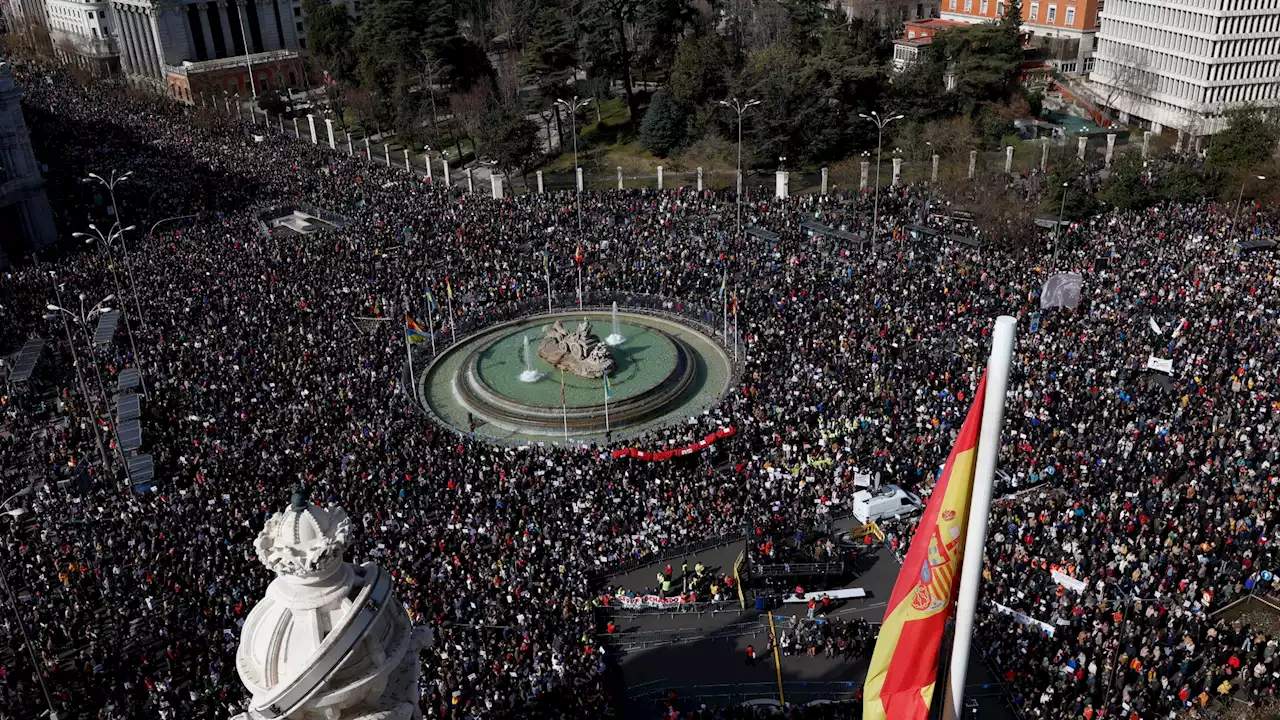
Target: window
<point>1035,12</point>
<point>302,43</point>
<point>299,26</point>
<point>297,12</point>
<point>968,6</point>
<point>984,7</point>
<point>1088,64</point>
<point>1000,9</point>
<point>1051,14</point>
<point>1071,16</point>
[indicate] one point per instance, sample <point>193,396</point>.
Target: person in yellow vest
<point>666,586</point>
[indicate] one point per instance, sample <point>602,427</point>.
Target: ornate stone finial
<point>305,541</point>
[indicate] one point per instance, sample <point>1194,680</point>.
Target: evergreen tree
<point>329,38</point>
<point>663,129</point>
<point>1249,139</point>
<point>1012,14</point>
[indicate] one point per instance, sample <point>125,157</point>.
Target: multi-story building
<point>916,36</point>
<point>81,33</point>
<point>184,44</point>
<point>26,220</point>
<point>1065,30</point>
<point>888,12</point>
<point>1181,63</point>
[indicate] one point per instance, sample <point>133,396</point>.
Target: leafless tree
<point>1131,77</point>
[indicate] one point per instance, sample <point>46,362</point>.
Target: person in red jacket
<point>751,655</point>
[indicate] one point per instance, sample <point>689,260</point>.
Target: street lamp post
<point>105,244</point>
<point>1239,200</point>
<point>573,108</point>
<point>880,124</point>
<point>1057,228</point>
<point>82,319</point>
<point>739,108</point>
<point>84,389</point>
<point>124,247</point>
<point>14,514</point>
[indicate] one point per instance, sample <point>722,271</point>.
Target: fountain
<point>615,338</point>
<point>529,375</point>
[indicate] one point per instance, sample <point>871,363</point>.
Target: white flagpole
<point>431,324</point>
<point>408,349</point>
<point>564,408</point>
<point>546,266</point>
<point>579,285</point>
<point>724,300</point>
<point>606,408</point>
<point>736,328</point>
<point>979,510</point>
<point>449,296</point>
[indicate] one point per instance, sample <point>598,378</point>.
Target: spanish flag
<point>413,331</point>
<point>904,665</point>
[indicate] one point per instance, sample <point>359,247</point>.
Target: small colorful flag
<point>431,301</point>
<point>413,331</point>
<point>577,256</point>
<point>546,268</point>
<point>724,282</point>
<point>448,287</point>
<point>608,392</point>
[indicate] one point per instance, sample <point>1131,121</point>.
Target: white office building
<point>81,31</point>
<point>1180,63</point>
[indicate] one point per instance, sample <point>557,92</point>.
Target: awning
<point>1258,245</point>
<point>107,325</point>
<point>130,378</point>
<point>761,233</point>
<point>127,407</point>
<point>27,359</point>
<point>816,228</point>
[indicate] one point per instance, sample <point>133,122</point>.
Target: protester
<point>261,376</point>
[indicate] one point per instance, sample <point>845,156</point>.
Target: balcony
<point>189,68</point>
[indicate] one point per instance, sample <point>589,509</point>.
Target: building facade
<point>157,36</point>
<point>1182,63</point>
<point>1065,31</point>
<point>916,36</point>
<point>888,12</point>
<point>82,33</point>
<point>26,219</point>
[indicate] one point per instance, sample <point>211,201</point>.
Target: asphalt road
<point>704,654</point>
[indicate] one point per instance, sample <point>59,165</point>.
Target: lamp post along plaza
<point>124,247</point>
<point>880,124</point>
<point>739,108</point>
<point>573,107</point>
<point>1239,201</point>
<point>84,389</point>
<point>105,244</point>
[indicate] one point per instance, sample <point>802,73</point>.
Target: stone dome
<point>329,641</point>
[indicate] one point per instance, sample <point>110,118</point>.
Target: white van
<point>889,501</point>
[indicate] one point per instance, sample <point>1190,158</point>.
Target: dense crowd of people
<point>260,375</point>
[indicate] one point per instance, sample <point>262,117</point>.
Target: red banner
<point>699,446</point>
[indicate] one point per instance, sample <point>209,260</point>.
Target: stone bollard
<point>1111,147</point>
<point>539,182</point>
<point>1044,154</point>
<point>296,134</point>
<point>897,171</point>
<point>1146,143</point>
<point>699,179</point>
<point>619,177</point>
<point>824,182</point>
<point>659,177</point>
<point>368,151</point>
<point>445,161</point>
<point>227,105</point>
<point>471,181</point>
<point>496,182</point>
<point>311,123</point>
<point>386,153</point>
<point>1082,145</point>
<point>426,160</point>
<point>578,178</point>
<point>781,184</point>
<point>973,164</point>
<point>350,148</point>
<point>407,167</point>
<point>328,125</point>
<point>933,176</point>
<point>281,119</point>
<point>864,174</point>
<point>1008,158</point>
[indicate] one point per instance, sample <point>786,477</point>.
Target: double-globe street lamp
<point>739,107</point>
<point>104,242</point>
<point>880,124</point>
<point>573,107</point>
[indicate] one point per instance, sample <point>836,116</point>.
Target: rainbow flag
<point>413,332</point>
<point>904,666</point>
<point>608,392</point>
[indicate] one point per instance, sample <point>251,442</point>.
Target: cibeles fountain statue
<point>575,352</point>
<point>329,641</point>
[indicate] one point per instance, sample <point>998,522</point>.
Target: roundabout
<point>500,382</point>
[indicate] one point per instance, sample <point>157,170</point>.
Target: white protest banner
<point>1160,364</point>
<point>1068,582</point>
<point>1155,327</point>
<point>861,479</point>
<point>1024,620</point>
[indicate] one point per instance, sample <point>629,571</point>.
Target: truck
<point>889,501</point>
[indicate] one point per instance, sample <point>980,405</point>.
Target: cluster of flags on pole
<point>413,332</point>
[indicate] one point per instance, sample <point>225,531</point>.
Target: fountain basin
<point>666,371</point>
